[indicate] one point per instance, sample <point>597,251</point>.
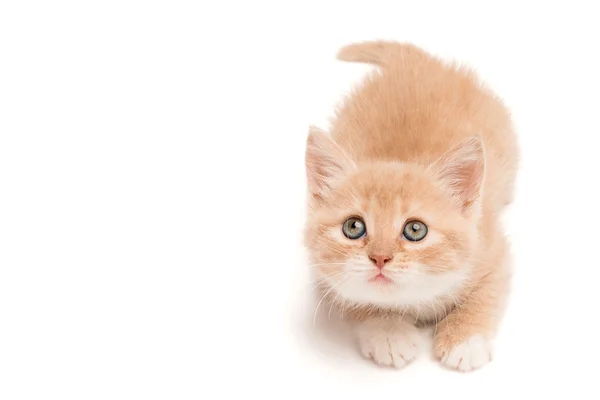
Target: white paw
<point>469,355</point>
<point>390,347</point>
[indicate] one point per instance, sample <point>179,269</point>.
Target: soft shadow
<point>324,332</point>
<point>329,337</point>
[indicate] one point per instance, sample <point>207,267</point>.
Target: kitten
<point>405,196</point>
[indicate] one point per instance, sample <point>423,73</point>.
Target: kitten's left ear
<point>462,169</point>
<point>326,163</point>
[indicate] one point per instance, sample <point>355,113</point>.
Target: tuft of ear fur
<point>462,170</point>
<point>326,163</point>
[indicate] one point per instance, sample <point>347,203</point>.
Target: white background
<point>152,196</point>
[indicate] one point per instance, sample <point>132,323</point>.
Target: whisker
<point>323,297</point>
<point>321,241</point>
<point>321,264</point>
<point>454,299</point>
<point>435,317</point>
<point>418,306</point>
<point>335,299</point>
<point>404,312</point>
<point>321,279</point>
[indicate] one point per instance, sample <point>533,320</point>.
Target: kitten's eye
<point>354,228</point>
<point>415,230</point>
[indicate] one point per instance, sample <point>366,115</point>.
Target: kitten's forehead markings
<point>370,218</point>
<point>348,205</point>
<point>352,199</point>
<point>398,216</point>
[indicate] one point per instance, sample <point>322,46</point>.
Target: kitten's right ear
<point>326,163</point>
<point>462,168</point>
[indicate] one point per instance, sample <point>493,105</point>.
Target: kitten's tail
<point>380,53</point>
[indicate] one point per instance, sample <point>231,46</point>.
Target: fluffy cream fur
<point>422,139</point>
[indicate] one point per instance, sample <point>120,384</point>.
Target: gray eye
<point>415,230</point>
<point>354,228</point>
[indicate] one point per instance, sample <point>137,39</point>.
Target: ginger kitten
<point>405,196</point>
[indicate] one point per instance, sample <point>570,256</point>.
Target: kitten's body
<point>419,138</point>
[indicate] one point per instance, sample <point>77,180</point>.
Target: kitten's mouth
<point>381,279</point>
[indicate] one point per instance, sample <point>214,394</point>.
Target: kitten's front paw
<point>390,346</point>
<point>469,355</point>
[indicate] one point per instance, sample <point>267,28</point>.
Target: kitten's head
<point>392,234</point>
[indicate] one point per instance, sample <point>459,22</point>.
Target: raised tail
<point>379,52</point>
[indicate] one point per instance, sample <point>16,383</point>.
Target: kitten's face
<point>393,216</point>
<point>389,234</point>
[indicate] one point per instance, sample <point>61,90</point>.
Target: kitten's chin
<point>387,292</point>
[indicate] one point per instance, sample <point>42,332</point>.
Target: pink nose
<point>379,260</point>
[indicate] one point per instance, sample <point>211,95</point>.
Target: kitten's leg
<point>463,338</point>
<point>392,343</point>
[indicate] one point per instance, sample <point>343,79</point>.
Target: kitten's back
<point>415,107</point>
